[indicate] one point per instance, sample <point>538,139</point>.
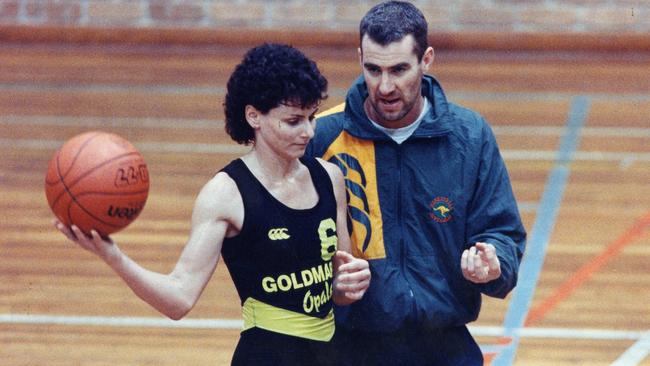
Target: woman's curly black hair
<point>270,75</point>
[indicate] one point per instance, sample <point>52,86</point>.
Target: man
<point>429,202</point>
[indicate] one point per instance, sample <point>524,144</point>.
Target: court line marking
<point>175,89</point>
<point>517,130</point>
<point>122,88</point>
<point>169,89</point>
<point>206,123</point>
<point>533,260</point>
<point>587,270</point>
<point>216,148</point>
<point>130,122</point>
<point>214,323</point>
<point>189,147</point>
<point>635,354</point>
<point>106,321</point>
<point>547,96</point>
<point>546,155</point>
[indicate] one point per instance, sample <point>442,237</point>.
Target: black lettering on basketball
<point>123,212</point>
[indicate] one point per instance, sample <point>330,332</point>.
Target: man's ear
<point>252,116</point>
<point>360,53</point>
<point>427,59</point>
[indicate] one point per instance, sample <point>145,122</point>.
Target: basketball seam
<point>65,189</point>
<point>93,216</point>
<point>100,220</point>
<point>68,187</point>
<point>110,194</point>
<point>62,176</point>
<point>76,156</point>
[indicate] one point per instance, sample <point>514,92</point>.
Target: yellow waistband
<point>265,316</point>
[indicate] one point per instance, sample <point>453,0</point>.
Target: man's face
<point>393,76</point>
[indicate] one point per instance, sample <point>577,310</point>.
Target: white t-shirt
<point>399,135</point>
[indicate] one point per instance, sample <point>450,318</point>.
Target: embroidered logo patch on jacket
<point>441,209</point>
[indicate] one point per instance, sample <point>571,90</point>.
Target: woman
<point>278,218</point>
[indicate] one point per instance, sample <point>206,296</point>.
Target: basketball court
<point>574,129</point>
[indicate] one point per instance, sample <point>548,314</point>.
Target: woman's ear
<point>252,116</point>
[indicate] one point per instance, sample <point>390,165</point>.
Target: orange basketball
<point>97,180</point>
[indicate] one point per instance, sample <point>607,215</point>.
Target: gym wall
<point>528,24</point>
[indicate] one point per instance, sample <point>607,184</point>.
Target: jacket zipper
<point>402,249</point>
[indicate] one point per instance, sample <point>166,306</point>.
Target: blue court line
<point>531,265</point>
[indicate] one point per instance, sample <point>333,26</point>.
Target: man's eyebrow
<point>400,65</point>
<point>391,67</point>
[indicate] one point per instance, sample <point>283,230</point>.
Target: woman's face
<point>285,129</point>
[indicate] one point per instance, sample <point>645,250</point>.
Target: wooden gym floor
<point>574,130</point>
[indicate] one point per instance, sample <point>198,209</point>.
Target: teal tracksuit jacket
<point>414,207</point>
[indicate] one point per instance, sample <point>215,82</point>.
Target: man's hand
<point>480,263</point>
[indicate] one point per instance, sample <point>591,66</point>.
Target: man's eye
<point>373,70</point>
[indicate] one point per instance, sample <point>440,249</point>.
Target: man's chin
<point>387,116</point>
<point>391,118</point>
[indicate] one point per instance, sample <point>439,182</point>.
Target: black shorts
<point>259,347</point>
<point>411,347</point>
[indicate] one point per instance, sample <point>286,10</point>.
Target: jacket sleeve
<point>493,216</point>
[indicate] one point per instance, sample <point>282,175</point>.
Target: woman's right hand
<point>105,248</point>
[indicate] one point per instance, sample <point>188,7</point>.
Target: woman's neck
<point>270,167</point>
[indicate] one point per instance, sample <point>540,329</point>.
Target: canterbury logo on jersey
<point>356,159</point>
<point>278,233</point>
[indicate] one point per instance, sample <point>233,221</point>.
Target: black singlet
<point>281,261</point>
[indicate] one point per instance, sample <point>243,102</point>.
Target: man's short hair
<point>270,75</point>
<point>391,21</point>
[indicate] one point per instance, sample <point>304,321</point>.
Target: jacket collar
<point>436,123</point>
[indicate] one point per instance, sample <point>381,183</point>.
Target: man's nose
<point>386,84</point>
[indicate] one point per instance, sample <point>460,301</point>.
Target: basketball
<point>97,180</point>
